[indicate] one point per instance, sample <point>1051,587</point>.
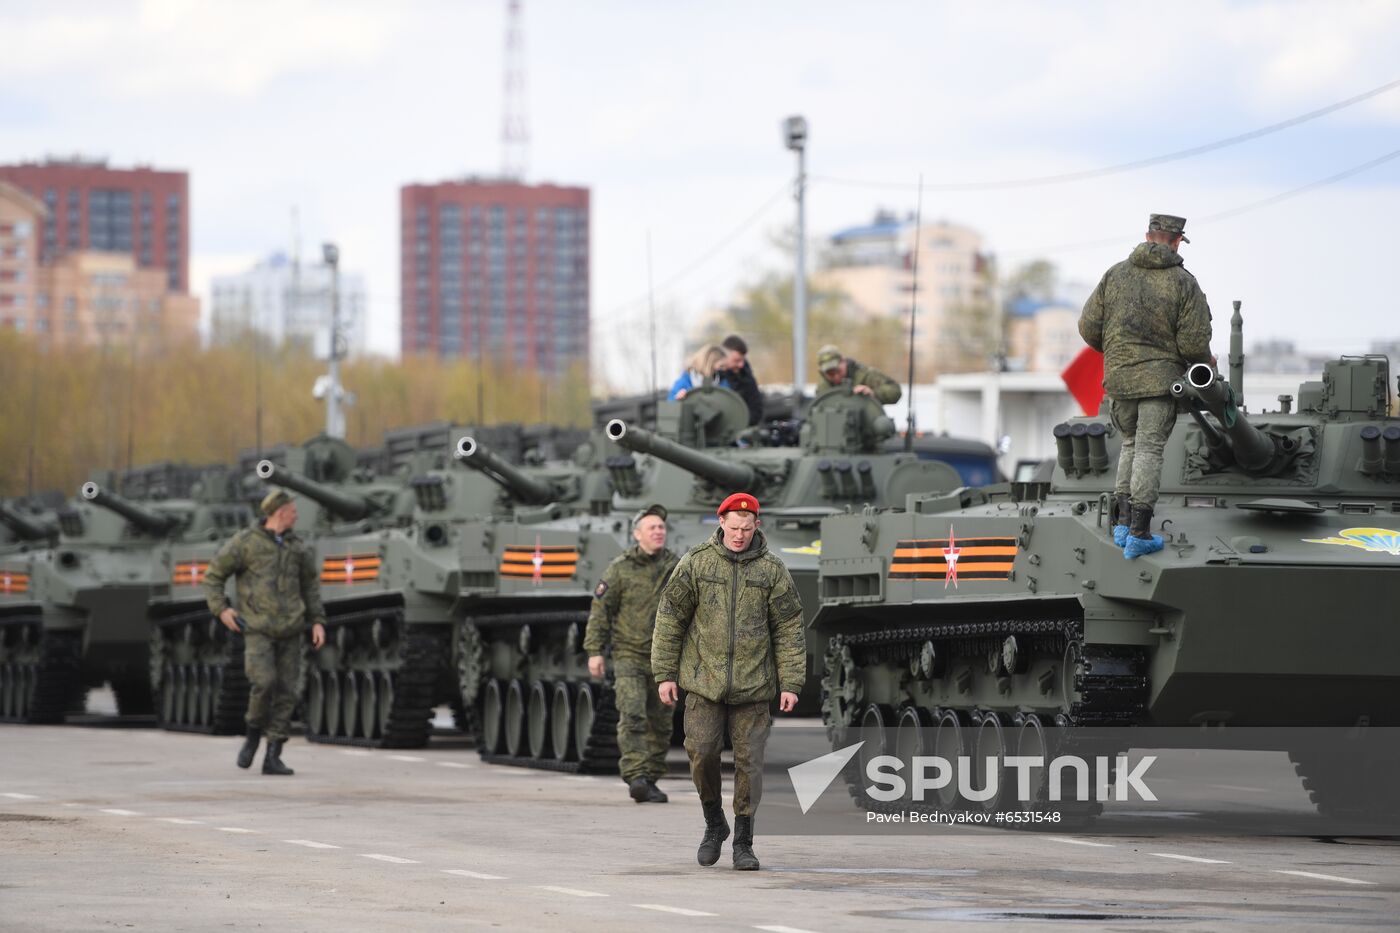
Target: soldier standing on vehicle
<point>838,370</point>
<point>1149,318</point>
<point>621,618</point>
<point>729,633</point>
<point>278,589</point>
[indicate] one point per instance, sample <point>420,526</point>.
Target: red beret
<point>739,502</point>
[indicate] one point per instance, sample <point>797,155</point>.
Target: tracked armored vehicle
<point>978,619</point>
<point>691,462</point>
<point>528,573</point>
<point>78,607</point>
<point>389,581</point>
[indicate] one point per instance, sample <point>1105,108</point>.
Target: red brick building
<point>499,267</point>
<point>90,207</point>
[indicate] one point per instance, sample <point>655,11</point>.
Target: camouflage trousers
<point>273,666</point>
<point>643,722</point>
<point>1146,424</point>
<point>749,724</point>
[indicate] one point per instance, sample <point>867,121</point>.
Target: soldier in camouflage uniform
<point>729,632</point>
<point>1149,318</point>
<point>622,618</point>
<point>838,370</point>
<point>279,589</point>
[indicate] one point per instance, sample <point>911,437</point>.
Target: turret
<point>524,487</point>
<point>343,505</point>
<point>25,529</point>
<point>717,471</point>
<point>154,523</point>
<point>1252,450</point>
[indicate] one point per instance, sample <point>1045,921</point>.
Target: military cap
<point>828,357</point>
<point>274,501</point>
<point>738,502</point>
<point>1167,223</point>
<point>658,510</point>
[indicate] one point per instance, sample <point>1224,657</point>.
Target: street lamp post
<point>335,418</point>
<point>795,137</point>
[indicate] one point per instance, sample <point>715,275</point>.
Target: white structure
<point>1025,407</point>
<point>287,300</point>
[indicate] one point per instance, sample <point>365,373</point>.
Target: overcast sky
<point>670,113</point>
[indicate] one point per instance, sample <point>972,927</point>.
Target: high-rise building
<point>83,297</point>
<point>496,268</point>
<point>287,300</point>
<point>139,211</point>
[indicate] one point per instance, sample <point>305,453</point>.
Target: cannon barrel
<point>343,505</point>
<point>524,487</point>
<point>731,476</point>
<point>23,528</point>
<point>1253,449</point>
<point>155,523</point>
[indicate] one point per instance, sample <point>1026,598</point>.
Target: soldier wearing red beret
<point>729,632</point>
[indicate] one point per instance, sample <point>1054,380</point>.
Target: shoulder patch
<point>600,589</point>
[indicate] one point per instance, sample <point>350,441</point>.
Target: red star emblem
<point>950,557</point>
<point>5,583</point>
<point>349,568</point>
<point>538,561</point>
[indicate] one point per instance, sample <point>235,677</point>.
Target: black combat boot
<point>250,748</point>
<point>744,859</point>
<point>1141,540</point>
<point>1121,511</point>
<point>639,789</point>
<point>654,793</point>
<point>716,831</point>
<point>272,761</point>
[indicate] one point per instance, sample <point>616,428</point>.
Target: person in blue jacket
<point>699,370</point>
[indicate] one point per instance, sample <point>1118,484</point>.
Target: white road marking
<point>310,844</point>
<point>14,796</point>
<point>391,858</point>
<point>453,764</point>
<point>357,752</point>
<point>235,829</point>
<point>116,812</point>
<point>480,876</point>
<point>573,891</point>
<point>180,821</point>
<point>782,929</point>
<point>407,758</point>
<point>1190,858</point>
<point>1321,877</point>
<point>1080,842</point>
<point>684,912</point>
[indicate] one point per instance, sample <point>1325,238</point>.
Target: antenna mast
<point>515,129</point>
<point>913,310</point>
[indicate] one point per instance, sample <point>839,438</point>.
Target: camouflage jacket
<point>278,585</point>
<point>729,626</point>
<point>885,389</point>
<point>624,604</point>
<point>1150,320</point>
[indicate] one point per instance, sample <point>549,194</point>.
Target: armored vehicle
<point>389,580</point>
<point>25,536</point>
<point>692,461</point>
<point>80,605</point>
<point>981,617</point>
<point>528,573</point>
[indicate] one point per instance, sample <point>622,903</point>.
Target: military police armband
<point>600,589</point>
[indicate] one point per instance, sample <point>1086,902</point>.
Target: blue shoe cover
<point>1136,547</point>
<point>1120,535</point>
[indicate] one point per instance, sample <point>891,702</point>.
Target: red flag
<point>1084,379</point>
